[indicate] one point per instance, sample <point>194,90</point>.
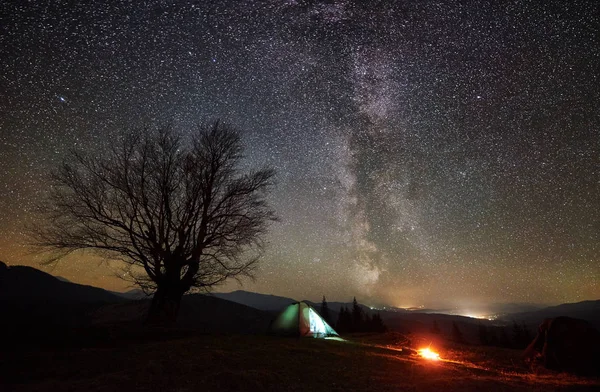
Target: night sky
<point>435,153</point>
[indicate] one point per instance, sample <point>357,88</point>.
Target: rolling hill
<point>202,313</point>
<point>256,300</point>
<point>586,310</point>
<point>271,302</point>
<point>28,294</point>
<point>27,285</point>
<point>30,298</point>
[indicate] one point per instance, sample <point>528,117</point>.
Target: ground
<point>247,362</point>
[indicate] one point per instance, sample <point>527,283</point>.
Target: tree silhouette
<point>325,311</point>
<point>357,316</point>
<point>357,320</point>
<point>375,324</point>
<point>344,322</point>
<point>180,215</point>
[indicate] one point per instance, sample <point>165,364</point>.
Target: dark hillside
<point>256,300</point>
<point>261,363</point>
<point>21,284</point>
<point>199,312</point>
<point>585,310</point>
<point>31,299</point>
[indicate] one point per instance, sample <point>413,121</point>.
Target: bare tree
<point>184,213</point>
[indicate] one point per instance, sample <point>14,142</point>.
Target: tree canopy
<point>183,212</point>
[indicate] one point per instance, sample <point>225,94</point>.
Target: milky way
<point>428,153</point>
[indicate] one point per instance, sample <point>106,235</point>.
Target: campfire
<point>428,354</point>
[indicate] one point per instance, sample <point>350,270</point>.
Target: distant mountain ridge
<point>269,302</point>
<point>575,306</point>
<point>30,298</point>
<point>586,310</point>
<point>27,290</point>
<point>133,294</point>
<point>27,284</point>
<point>266,302</point>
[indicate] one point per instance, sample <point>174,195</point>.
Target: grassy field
<point>257,363</point>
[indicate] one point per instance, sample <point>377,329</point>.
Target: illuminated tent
<point>301,319</point>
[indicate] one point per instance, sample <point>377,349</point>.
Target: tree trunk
<point>165,305</point>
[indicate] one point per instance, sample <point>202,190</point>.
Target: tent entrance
<point>317,326</point>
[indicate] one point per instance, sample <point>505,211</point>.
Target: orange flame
<point>428,354</point>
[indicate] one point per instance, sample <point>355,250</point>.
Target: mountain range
<point>29,285</point>
<point>29,294</point>
<point>36,307</point>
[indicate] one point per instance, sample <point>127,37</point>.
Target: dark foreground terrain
<point>192,362</point>
<point>60,336</point>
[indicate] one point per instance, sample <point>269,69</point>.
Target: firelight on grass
<point>428,354</point>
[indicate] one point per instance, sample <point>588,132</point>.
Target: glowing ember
<point>428,354</point>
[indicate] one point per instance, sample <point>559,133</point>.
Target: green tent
<point>301,319</point>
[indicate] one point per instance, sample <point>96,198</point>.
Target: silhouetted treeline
<point>497,336</point>
<point>325,311</point>
<point>356,320</point>
<point>517,336</point>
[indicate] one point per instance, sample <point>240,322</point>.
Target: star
<point>426,154</point>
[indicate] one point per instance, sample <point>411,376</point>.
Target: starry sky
<point>428,153</point>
